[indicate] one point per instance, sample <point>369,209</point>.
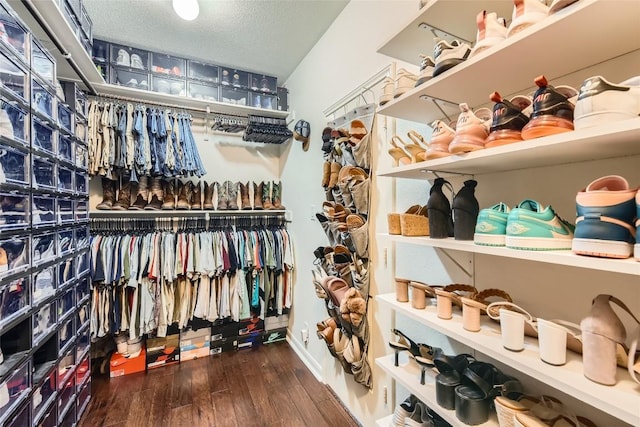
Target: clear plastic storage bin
<point>129,78</point>
<point>42,99</point>
<point>125,56</point>
<point>83,289</point>
<point>14,78</point>
<point>18,255</point>
<point>14,210</point>
<point>16,34</point>
<point>82,316</point>
<point>234,78</point>
<point>82,184</point>
<point>44,136</point>
<point>44,321</point>
<point>65,211</point>
<point>44,173</point>
<point>82,263</point>
<point>14,123</point>
<point>82,237</point>
<point>168,86</point>
<point>42,63</point>
<point>81,131</point>
<point>205,72</point>
<point>49,417</point>
<point>262,83</point>
<point>43,210</point>
<point>66,365</point>
<point>81,158</point>
<point>66,304</point>
<point>165,64</point>
<point>15,299</point>
<point>82,345</point>
<point>66,333</point>
<point>15,165</point>
<point>81,210</point>
<point>66,241</point>
<point>262,100</point>
<point>65,118</point>
<point>45,248</point>
<point>65,180</point>
<point>66,272</point>
<point>66,148</point>
<point>234,96</point>
<point>17,387</point>
<point>44,284</point>
<point>43,391</point>
<point>203,91</point>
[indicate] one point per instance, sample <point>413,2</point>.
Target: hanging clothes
<point>143,283</point>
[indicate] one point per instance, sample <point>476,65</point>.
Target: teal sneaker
<point>533,227</point>
<point>491,227</point>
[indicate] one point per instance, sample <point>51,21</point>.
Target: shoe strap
<point>623,306</point>
<point>493,309</point>
<point>633,348</point>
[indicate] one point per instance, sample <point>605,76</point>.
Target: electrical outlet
<point>304,333</point>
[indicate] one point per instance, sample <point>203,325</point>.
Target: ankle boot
<point>184,196</point>
<point>465,211</point>
<point>208,196</point>
<point>277,195</point>
<point>143,194</point>
<point>439,211</point>
<point>232,195</point>
<point>169,195</point>
<point>244,196</point>
<point>108,194</point>
<point>196,196</point>
<point>157,195</point>
<point>266,196</point>
<point>257,196</point>
<point>223,199</point>
<point>124,198</point>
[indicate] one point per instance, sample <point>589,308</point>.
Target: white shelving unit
<point>407,373</point>
<point>566,258</point>
<point>620,401</point>
<point>581,46</point>
<point>601,142</point>
<point>563,47</point>
<point>385,422</point>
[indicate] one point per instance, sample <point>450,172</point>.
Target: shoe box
<point>195,344</point>
<point>223,345</point>
<point>249,340</point>
<point>274,335</point>
<point>120,365</point>
<point>235,329</point>
<point>276,322</point>
<point>163,351</point>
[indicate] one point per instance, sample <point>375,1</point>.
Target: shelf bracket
<point>436,102</point>
<point>456,262</point>
<point>441,34</point>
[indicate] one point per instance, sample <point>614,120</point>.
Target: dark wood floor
<point>267,386</point>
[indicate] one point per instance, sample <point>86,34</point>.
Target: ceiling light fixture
<point>186,9</point>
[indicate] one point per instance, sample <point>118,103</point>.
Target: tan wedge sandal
<point>400,156</point>
<point>413,149</point>
<point>419,141</point>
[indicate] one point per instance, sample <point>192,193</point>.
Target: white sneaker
<point>448,55</point>
<point>388,85</point>
<point>426,69</point>
<point>405,81</point>
<point>525,14</point>
<point>136,61</point>
<point>601,101</point>
<point>491,31</point>
<point>123,58</point>
<point>132,83</point>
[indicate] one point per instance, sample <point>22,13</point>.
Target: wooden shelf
<point>185,102</point>
<point>458,20</point>
<point>610,140</point>
<point>566,258</point>
<point>408,374</point>
<point>620,401</point>
<point>582,47</point>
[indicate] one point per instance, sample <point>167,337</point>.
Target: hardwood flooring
<point>268,386</point>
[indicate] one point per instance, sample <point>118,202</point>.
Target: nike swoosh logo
<point>555,225</point>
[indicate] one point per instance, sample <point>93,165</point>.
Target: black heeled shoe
<point>421,353</point>
<point>439,211</point>
<point>450,370</point>
<point>465,211</point>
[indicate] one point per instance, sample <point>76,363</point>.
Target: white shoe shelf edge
<point>569,34</point>
<point>566,258</point>
<point>610,140</point>
<point>620,401</point>
<point>385,422</point>
<point>408,372</point>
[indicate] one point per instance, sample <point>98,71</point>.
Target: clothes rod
<point>369,84</point>
<point>143,101</point>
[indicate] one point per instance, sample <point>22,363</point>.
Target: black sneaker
<point>552,110</point>
<point>509,117</point>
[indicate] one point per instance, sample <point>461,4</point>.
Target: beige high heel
<point>412,149</point>
<point>419,141</point>
<point>603,342</point>
<point>400,157</point>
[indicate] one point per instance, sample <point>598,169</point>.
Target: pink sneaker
<point>440,139</point>
<point>471,131</point>
<point>491,31</point>
<point>525,14</point>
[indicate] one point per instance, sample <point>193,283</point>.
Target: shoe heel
<point>599,358</point>
<point>443,301</point>
<point>402,290</point>
<point>418,298</point>
<point>471,315</point>
<point>438,224</point>
<point>464,224</point>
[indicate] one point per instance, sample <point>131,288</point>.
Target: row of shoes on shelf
<point>607,220</point>
<point>600,337</point>
<point>160,194</point>
<point>492,30</point>
<point>550,111</point>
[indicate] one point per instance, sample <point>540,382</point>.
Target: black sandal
<point>422,353</point>
<point>450,370</point>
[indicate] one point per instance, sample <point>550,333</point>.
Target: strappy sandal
<point>419,141</point>
<point>326,330</point>
<point>413,149</point>
<point>481,382</point>
<point>546,408</point>
<point>450,369</point>
<point>422,353</point>
<point>476,305</point>
<point>449,296</point>
<point>420,292</point>
<point>399,155</point>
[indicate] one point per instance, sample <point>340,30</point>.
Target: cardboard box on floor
<point>235,329</point>
<point>223,345</point>
<point>195,344</point>
<point>274,335</point>
<point>251,340</point>
<point>120,365</point>
<point>163,351</point>
<point>276,322</point>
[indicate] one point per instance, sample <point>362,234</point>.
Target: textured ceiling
<point>267,36</point>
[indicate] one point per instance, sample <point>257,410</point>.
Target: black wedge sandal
<point>450,370</point>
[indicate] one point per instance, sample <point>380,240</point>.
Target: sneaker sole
<point>489,239</point>
<point>546,126</point>
<point>537,243</point>
<point>446,65</point>
<point>602,248</point>
<point>502,137</point>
